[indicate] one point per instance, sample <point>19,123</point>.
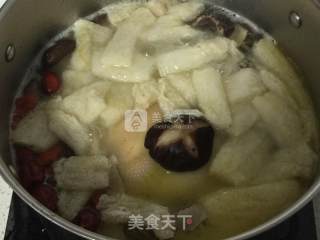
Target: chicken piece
<point>34,131</point>
<point>85,173</point>
<point>144,177</point>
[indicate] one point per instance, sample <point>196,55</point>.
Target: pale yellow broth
<point>145,178</point>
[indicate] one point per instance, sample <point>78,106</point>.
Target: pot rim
<point>10,179</point>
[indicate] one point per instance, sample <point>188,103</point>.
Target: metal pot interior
<point>29,24</point>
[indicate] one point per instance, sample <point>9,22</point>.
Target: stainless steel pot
<point>26,25</point>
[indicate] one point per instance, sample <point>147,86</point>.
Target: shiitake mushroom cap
<point>181,146</point>
<point>215,22</point>
<point>59,50</point>
<point>218,21</point>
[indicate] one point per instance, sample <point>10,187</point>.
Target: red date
<point>88,218</point>
<point>30,173</point>
<point>94,200</point>
<point>23,105</point>
<point>47,195</point>
<point>51,155</point>
<point>57,52</point>
<point>24,154</point>
<point>49,176</point>
<point>50,83</point>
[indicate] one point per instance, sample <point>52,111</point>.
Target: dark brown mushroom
<point>100,19</point>
<point>57,52</point>
<point>252,37</point>
<point>217,22</point>
<point>183,144</point>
